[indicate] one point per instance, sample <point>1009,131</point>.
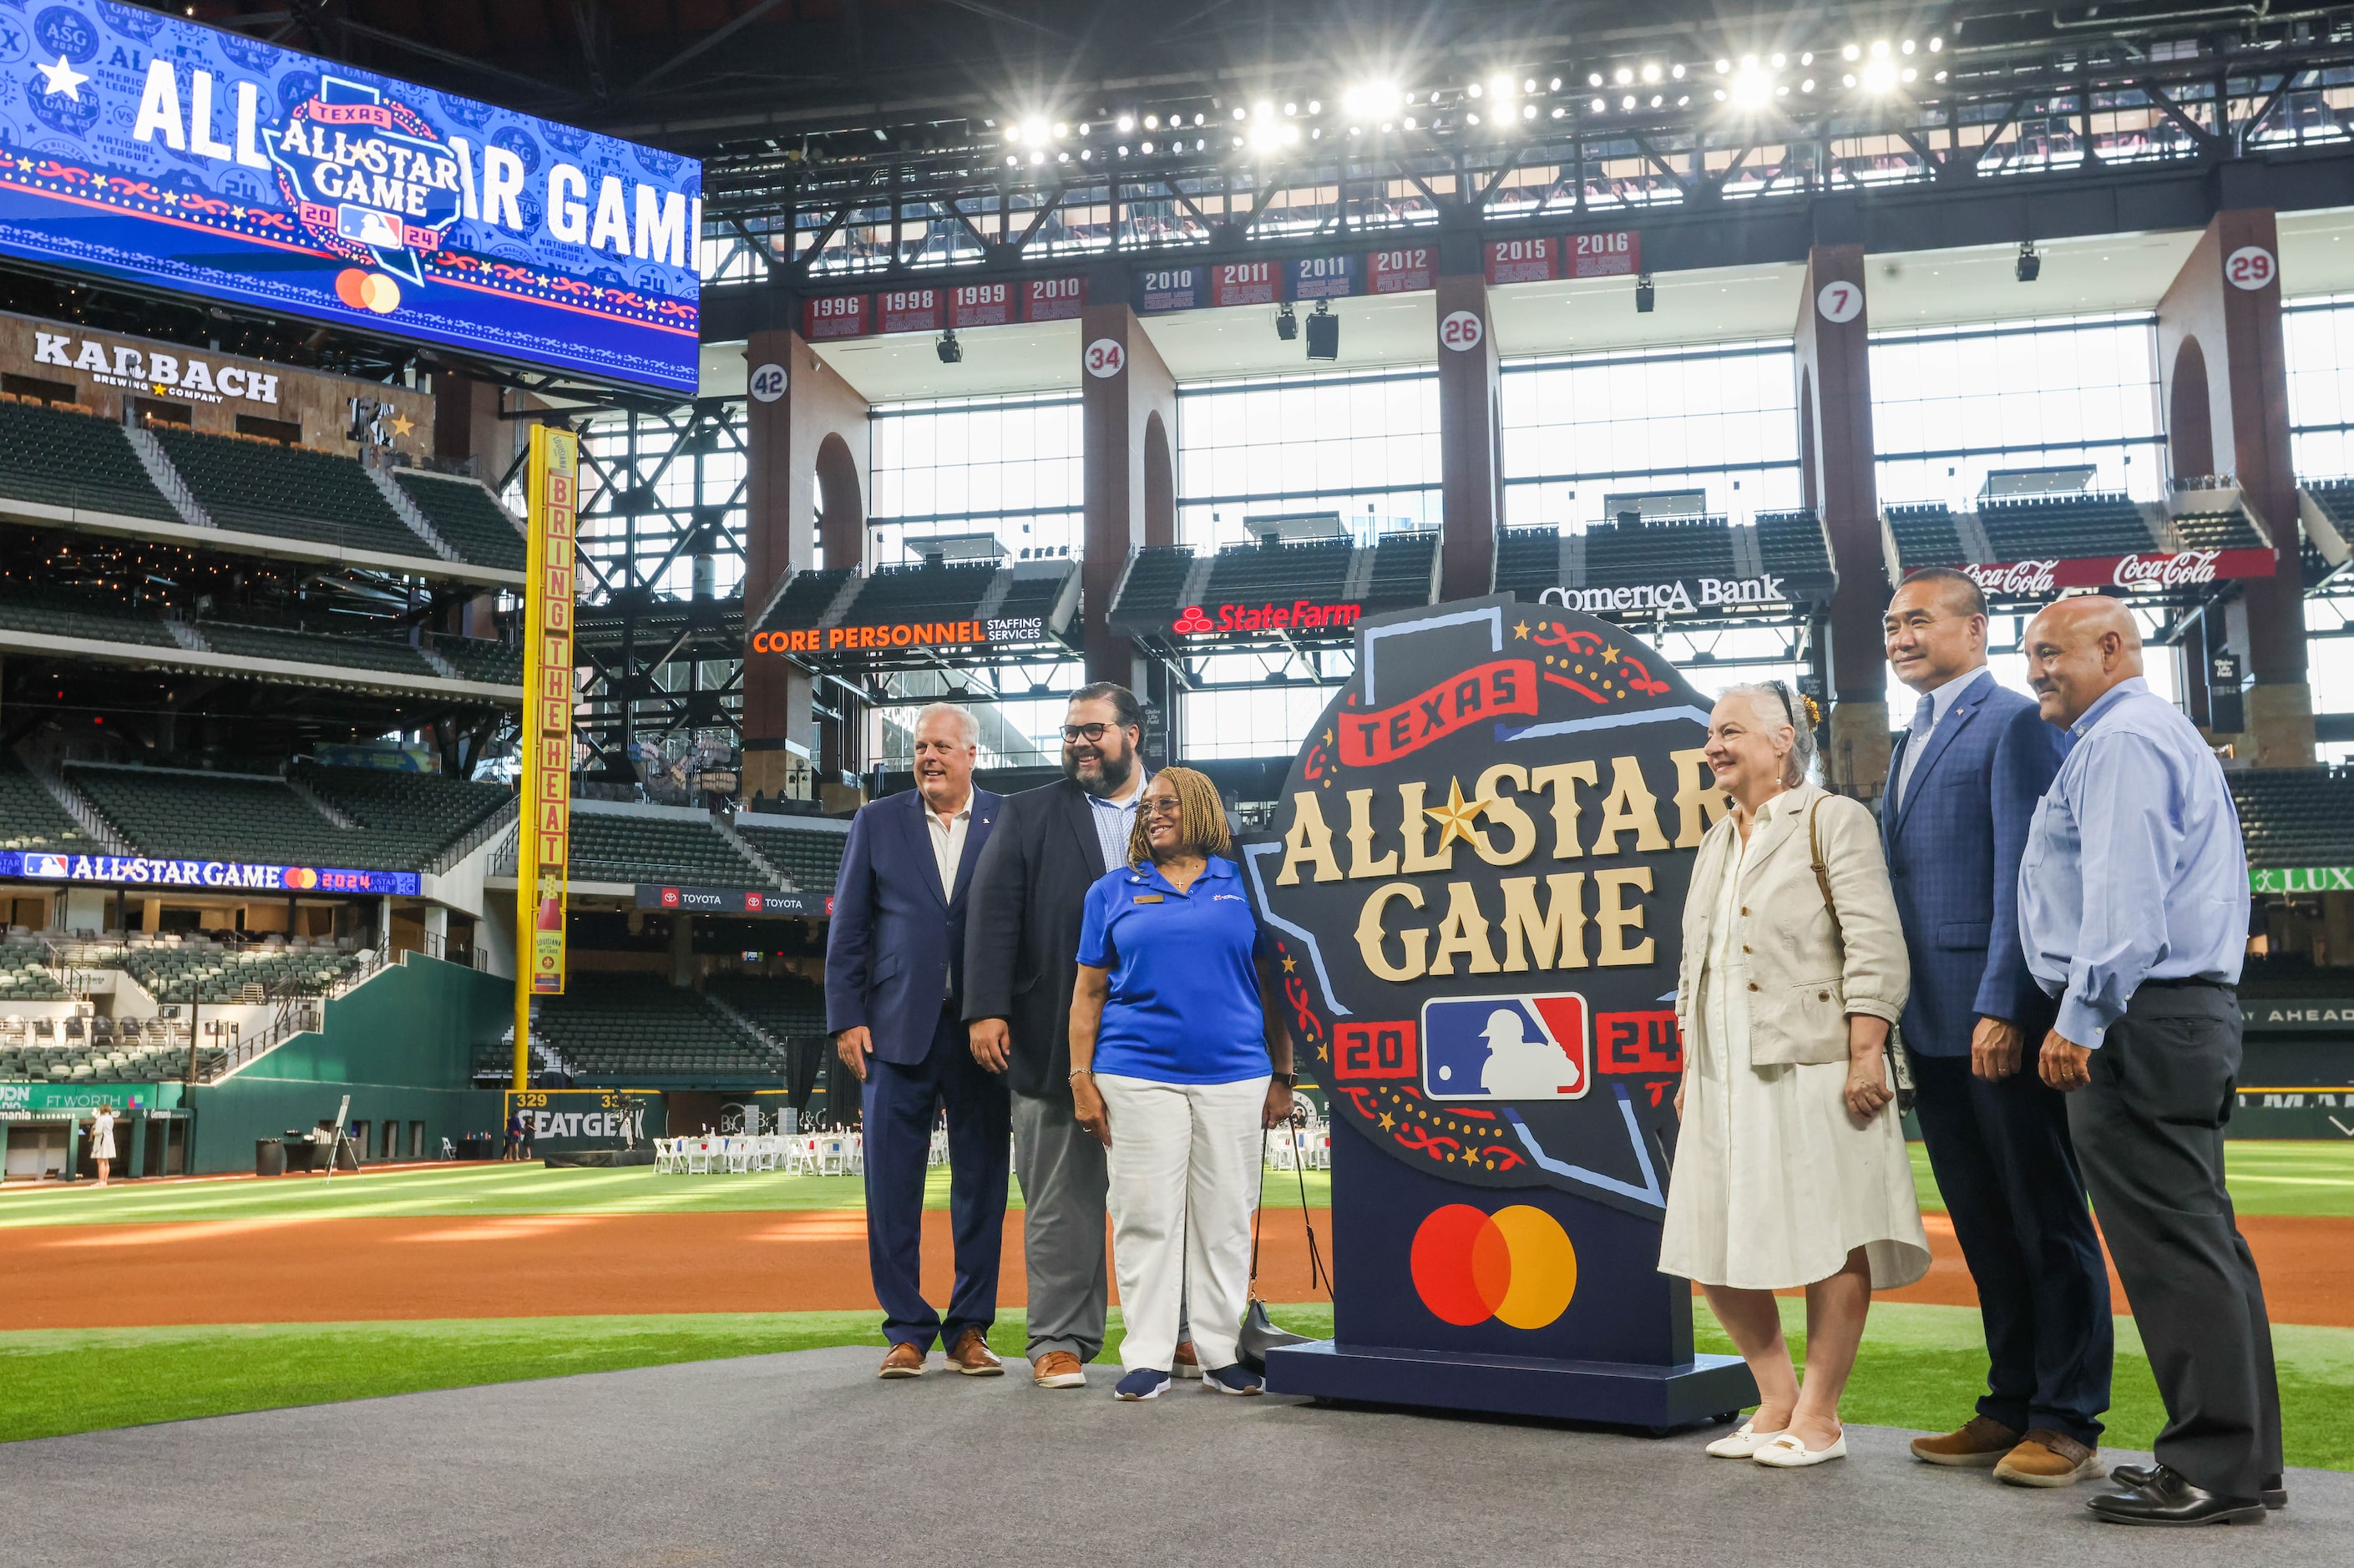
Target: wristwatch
<point>1289,1080</point>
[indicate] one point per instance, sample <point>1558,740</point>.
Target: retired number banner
<point>544,844</point>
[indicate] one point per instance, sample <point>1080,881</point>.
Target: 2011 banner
<point>173,155</point>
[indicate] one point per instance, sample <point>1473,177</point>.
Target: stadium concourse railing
<point>294,1011</point>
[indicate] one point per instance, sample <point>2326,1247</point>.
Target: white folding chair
<point>738,1155</point>
<point>698,1157</point>
<point>940,1152</point>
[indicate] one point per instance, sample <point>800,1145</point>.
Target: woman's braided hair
<point>1201,818</point>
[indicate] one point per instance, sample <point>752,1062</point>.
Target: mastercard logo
<point>1515,1265</point>
<point>302,876</point>
<point>365,291</point>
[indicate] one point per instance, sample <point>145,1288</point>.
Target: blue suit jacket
<point>1954,842</point>
<point>895,948</point>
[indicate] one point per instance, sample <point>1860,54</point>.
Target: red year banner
<point>908,309</point>
<point>835,315</point>
<point>1612,255</point>
<point>980,304</point>
<point>1405,271</point>
<point>1533,259</point>
<point>1053,299</point>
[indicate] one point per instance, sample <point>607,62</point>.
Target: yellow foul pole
<point>544,816</point>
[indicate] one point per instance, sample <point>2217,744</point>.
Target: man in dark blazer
<point>1962,790</point>
<point>894,974</point>
<point>1021,948</point>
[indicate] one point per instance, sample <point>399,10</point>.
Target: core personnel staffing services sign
<point>156,150</point>
<point>543,845</point>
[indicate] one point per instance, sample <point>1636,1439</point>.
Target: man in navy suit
<point>894,1005</point>
<point>1962,790</point>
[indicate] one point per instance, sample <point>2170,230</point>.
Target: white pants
<point>1184,1179</point>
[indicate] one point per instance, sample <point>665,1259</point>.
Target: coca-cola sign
<point>2156,572</point>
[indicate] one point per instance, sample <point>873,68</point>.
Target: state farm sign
<point>2181,568</point>
<point>1299,615</point>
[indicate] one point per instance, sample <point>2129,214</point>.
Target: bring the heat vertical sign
<point>543,846</point>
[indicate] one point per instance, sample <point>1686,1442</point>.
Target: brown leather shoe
<point>904,1361</point>
<point>971,1356</point>
<point>2048,1458</point>
<point>1058,1369</point>
<point>1977,1445</point>
<point>1185,1364</point>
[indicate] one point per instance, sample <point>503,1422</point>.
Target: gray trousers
<point>1064,1180</point>
<point>2148,1130</point>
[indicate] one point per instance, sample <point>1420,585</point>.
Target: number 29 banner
<point>176,156</point>
<point>542,838</point>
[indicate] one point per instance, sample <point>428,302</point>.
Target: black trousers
<point>2149,1132</point>
<point>2007,1171</point>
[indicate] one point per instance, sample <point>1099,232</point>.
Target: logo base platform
<point>1474,881</point>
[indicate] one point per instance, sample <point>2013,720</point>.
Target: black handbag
<point>1259,1333</point>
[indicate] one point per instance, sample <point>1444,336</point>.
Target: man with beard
<point>1021,962</point>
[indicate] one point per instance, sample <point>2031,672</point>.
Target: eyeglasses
<point>1162,808</point>
<point>1090,733</point>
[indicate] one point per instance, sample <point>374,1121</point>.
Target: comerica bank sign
<point>1680,596</point>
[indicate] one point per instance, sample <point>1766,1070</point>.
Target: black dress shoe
<point>2166,1499</point>
<point>2276,1495</point>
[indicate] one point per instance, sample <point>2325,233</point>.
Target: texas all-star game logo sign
<point>368,179</point>
<point>1475,878</point>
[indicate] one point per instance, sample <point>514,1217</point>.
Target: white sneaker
<point>1786,1452</point>
<point>1743,1443</point>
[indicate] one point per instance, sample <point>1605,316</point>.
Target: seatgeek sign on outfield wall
<point>167,153</point>
<point>207,875</point>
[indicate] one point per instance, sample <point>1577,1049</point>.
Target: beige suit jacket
<point>1803,980</point>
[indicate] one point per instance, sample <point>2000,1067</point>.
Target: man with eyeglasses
<point>1021,943</point>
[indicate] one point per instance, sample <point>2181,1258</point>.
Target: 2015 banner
<point>160,151</point>
<point>542,842</point>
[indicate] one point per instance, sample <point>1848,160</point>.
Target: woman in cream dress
<point>1790,1167</point>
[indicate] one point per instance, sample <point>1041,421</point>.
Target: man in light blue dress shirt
<point>2133,908</point>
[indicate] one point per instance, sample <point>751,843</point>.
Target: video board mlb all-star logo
<point>1514,1047</point>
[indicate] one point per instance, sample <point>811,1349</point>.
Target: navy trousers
<point>2008,1171</point>
<point>900,1105</point>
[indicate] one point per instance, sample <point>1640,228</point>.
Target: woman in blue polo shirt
<point>1179,1060</point>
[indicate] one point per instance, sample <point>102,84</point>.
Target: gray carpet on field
<point>805,1458</point>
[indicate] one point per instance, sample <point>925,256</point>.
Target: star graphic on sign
<point>1389,1122</point>
<point>1610,655</point>
<point>402,424</point>
<point>1521,630</point>
<point>1289,965</point>
<point>64,80</point>
<point>1455,818</point>
<point>1328,738</point>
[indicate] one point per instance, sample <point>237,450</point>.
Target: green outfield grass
<point>1921,1367</point>
<point>2307,1178</point>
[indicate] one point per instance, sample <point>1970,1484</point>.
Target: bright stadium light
<point>1723,67</point>
<point>1368,100</point>
<point>1751,88</point>
<point>1677,72</point>
<point>1879,76</point>
<point>1013,133</point>
<point>1500,87</point>
<point>1651,70</point>
<point>1035,132</point>
<point>1600,107</point>
<point>1936,43</point>
<point>1127,124</point>
<point>1623,76</point>
<point>1851,52</point>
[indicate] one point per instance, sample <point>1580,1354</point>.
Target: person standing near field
<point>1963,788</point>
<point>2133,905</point>
<point>1051,845</point>
<point>895,988</point>
<point>102,1139</point>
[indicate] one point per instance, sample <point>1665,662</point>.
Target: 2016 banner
<point>543,844</point>
<point>160,151</point>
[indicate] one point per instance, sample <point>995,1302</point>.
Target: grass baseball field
<point>164,1301</point>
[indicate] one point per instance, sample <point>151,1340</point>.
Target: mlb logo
<point>45,865</point>
<point>1506,1048</point>
<point>364,226</point>
<point>670,899</point>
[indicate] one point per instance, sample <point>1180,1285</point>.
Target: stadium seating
<point>788,1008</point>
<point>23,977</point>
<point>2219,531</point>
<point>1033,598</point>
<point>2295,816</point>
<point>1156,583</point>
<point>810,857</point>
<point>421,813</point>
<point>259,487</point>
<point>77,460</point>
<point>206,973</point>
<point>1528,562</point>
<point>467,520</point>
<point>30,817</point>
<point>1791,544</point>
<point>2033,528</point>
<point>1403,566</point>
<point>807,596</point>
<point>479,658</point>
<point>631,847</point>
<point>1663,549</point>
<point>313,647</point>
<point>924,592</point>
<point>1252,575</point>
<point>102,1050</point>
<point>616,1028</point>
<point>1927,535</point>
<point>231,816</point>
<point>61,612</point>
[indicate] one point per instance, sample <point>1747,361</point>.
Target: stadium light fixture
<point>1723,67</point>
<point>1594,79</point>
<point>1651,70</point>
<point>2030,266</point>
<point>1035,132</point>
<point>1286,326</point>
<point>1623,76</point>
<point>950,351</point>
<point>1323,332</point>
<point>1127,122</point>
<point>1936,43</point>
<point>1752,88</point>
<point>1556,86</point>
<point>1851,52</point>
<point>1879,76</point>
<point>1906,46</point>
<point>1600,107</point>
<point>1368,100</point>
<point>1677,72</point>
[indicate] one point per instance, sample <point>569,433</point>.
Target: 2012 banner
<point>179,157</point>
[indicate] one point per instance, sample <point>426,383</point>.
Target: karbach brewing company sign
<point>1474,880</point>
<point>2181,568</point>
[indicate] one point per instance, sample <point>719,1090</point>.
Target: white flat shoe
<point>1743,1443</point>
<point>1786,1452</point>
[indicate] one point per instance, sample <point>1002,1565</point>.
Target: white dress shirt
<point>1941,703</point>
<point>1116,820</point>
<point>947,841</point>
